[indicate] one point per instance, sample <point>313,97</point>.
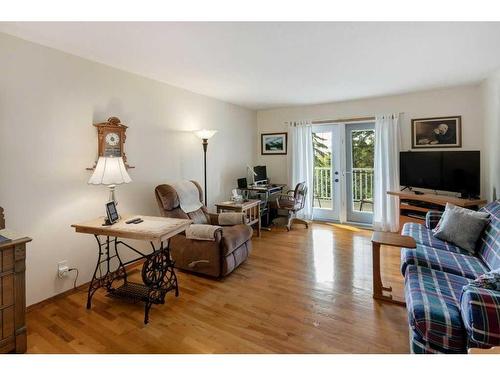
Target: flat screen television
<point>457,171</point>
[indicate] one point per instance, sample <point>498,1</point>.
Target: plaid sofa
<point>445,313</point>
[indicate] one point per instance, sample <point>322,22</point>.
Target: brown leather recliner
<point>218,258</point>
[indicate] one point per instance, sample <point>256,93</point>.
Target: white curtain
<point>387,146</point>
<point>300,162</point>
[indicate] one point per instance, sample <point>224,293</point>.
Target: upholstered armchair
<point>218,257</point>
<point>292,202</point>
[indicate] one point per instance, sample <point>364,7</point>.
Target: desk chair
<point>293,201</point>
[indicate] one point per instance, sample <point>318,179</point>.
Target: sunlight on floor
<point>323,243</point>
<point>326,259</point>
<point>344,226</point>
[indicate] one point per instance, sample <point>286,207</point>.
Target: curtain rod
<point>372,118</point>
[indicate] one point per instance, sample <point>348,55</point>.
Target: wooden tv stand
<point>413,207</point>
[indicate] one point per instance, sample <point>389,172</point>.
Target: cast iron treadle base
<point>134,292</point>
<point>158,276</point>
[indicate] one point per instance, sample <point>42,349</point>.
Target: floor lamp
<point>205,135</point>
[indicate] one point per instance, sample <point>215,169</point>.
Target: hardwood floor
<point>303,291</point>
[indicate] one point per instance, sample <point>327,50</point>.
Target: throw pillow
<point>461,226</point>
<point>490,280</point>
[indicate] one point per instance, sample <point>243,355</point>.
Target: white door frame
<point>337,213</point>
<point>339,189</point>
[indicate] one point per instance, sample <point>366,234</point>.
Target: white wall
<point>491,102</point>
<point>462,100</point>
<point>48,102</point>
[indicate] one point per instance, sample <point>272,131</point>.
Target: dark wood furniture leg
<point>377,279</point>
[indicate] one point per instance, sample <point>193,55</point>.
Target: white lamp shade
<point>205,133</point>
<point>110,171</point>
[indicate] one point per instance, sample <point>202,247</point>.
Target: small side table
<point>250,208</point>
<point>388,239</point>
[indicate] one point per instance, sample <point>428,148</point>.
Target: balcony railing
<point>362,183</point>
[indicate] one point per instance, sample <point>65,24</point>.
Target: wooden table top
<point>393,239</point>
<point>438,199</point>
<point>152,228</point>
<point>243,205</point>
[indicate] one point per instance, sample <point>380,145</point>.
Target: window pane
<point>363,148</point>
<point>322,148</point>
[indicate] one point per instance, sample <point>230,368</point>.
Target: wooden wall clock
<point>111,136</point>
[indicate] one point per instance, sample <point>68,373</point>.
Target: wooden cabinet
<point>12,294</point>
<point>413,207</point>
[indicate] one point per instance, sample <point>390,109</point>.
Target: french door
<point>360,152</point>
<point>343,172</point>
<point>327,172</point>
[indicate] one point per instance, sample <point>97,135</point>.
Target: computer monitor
<point>261,174</point>
<point>242,183</point>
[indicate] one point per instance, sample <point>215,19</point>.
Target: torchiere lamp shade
<point>205,133</point>
<point>110,171</point>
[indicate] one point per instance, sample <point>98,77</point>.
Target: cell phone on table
<point>112,212</point>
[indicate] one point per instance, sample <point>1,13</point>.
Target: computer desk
<point>265,193</point>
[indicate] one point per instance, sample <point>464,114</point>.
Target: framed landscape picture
<point>436,132</point>
<point>273,143</point>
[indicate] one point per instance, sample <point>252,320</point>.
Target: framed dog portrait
<point>273,143</point>
<point>436,132</point>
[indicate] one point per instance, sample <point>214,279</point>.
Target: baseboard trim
<point>71,291</point>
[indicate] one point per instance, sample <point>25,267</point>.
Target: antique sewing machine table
<point>158,273</point>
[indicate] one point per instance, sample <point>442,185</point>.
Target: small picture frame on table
<point>273,143</point>
<point>111,213</point>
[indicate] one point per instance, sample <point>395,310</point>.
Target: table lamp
<point>110,171</point>
<point>205,135</point>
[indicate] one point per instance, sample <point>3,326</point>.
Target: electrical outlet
<point>62,269</point>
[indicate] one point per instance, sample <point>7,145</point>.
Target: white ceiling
<point>264,65</point>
